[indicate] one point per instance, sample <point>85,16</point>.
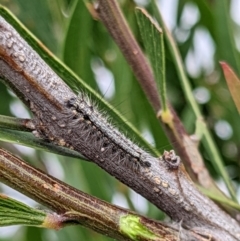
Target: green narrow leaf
<point>29,140</point>
<point>220,199</point>
<point>30,12</point>
<point>233,83</point>
<point>224,34</point>
<point>76,49</point>
<point>152,37</point>
<point>207,138</point>
<point>13,212</point>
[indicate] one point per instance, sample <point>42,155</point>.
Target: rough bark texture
<point>75,123</point>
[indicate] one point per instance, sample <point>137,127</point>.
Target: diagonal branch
<point>73,122</point>
<point>112,18</point>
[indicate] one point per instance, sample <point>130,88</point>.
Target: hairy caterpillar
<point>104,135</point>
<point>20,65</point>
<point>19,62</point>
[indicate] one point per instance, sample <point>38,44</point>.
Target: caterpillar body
<point>104,135</point>
<point>93,135</point>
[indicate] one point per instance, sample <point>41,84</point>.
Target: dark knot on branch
<point>171,159</point>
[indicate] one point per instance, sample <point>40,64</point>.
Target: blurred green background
<point>206,32</point>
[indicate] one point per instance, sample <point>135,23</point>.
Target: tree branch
<point>112,18</point>
<point>75,207</point>
<point>74,122</point>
